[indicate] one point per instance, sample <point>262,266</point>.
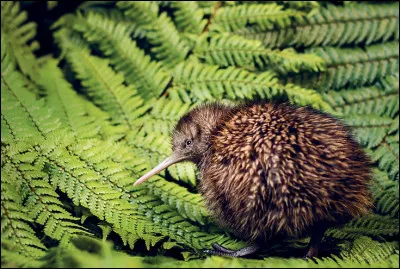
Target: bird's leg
<point>222,251</point>
<point>315,241</point>
<point>218,247</point>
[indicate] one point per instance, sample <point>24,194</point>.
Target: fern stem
<point>215,9</point>
<point>3,206</point>
<point>385,143</point>
<point>8,125</point>
<point>224,81</point>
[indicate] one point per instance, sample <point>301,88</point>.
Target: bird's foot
<point>222,251</point>
<point>311,253</point>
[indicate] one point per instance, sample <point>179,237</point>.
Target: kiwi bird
<point>272,170</point>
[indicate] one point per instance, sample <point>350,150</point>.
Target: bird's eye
<point>188,142</point>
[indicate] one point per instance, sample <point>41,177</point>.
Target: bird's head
<point>191,136</point>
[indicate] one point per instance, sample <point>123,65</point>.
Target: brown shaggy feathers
<point>276,169</point>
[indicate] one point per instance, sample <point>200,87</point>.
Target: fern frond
<point>352,68</point>
<point>227,49</point>
<point>386,194</point>
<point>83,185</point>
<point>103,253</point>
<point>188,18</point>
<point>209,82</point>
<point>185,172</point>
<point>278,262</point>
<point>188,205</point>
<point>124,55</point>
<point>108,130</point>
<point>15,221</point>
<point>333,26</point>
<point>136,11</point>
<point>7,135</point>
<point>22,114</point>
<point>369,130</point>
<point>106,87</point>
<point>163,116</point>
<point>168,46</point>
<point>19,35</point>
<point>133,27</point>
<point>151,147</point>
<point>12,258</point>
<point>387,155</point>
<point>78,131</point>
<point>380,99</point>
<point>66,104</point>
<point>73,176</point>
<point>42,202</point>
<point>298,95</point>
<point>366,250</point>
<point>371,225</point>
<point>109,160</point>
<point>266,16</point>
<point>178,228</point>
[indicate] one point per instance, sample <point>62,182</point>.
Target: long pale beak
<point>161,166</point>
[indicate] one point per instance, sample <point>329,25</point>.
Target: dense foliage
<point>80,125</point>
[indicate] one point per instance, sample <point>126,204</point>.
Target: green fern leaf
<point>386,195</point>
<point>380,99</point>
<point>66,104</point>
<point>106,90</point>
<point>188,205</point>
<point>387,155</point>
<point>188,18</point>
<point>226,50</point>
<point>125,56</point>
<point>266,16</point>
<point>369,130</point>
<point>208,82</point>
<point>333,26</point>
<point>168,47</point>
<point>78,131</point>
<point>367,250</point>
<point>15,221</point>
<point>370,225</point>
<point>163,116</point>
<point>352,68</point>
<point>177,228</point>
<point>19,34</point>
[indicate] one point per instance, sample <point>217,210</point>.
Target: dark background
<point>44,17</point>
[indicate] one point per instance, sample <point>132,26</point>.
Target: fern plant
<point>82,123</point>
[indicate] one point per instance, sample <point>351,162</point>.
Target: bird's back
<point>278,169</point>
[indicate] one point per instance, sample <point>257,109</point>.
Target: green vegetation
<point>81,124</point>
